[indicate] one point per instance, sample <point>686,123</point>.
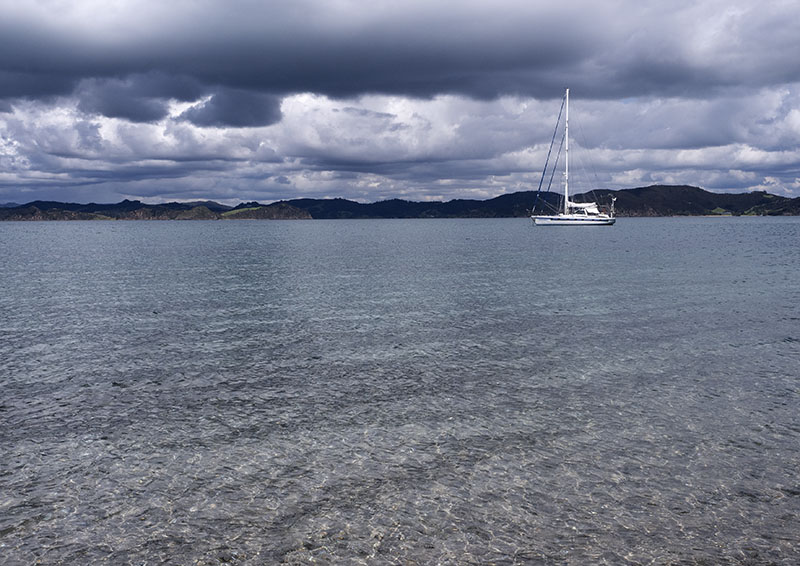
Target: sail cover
<point>589,207</point>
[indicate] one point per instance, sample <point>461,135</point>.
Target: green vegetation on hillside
<point>657,200</point>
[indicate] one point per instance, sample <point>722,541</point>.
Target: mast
<point>566,157</point>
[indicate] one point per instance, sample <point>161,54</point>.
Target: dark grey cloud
<point>482,50</point>
<point>477,49</point>
<point>114,99</point>
<point>19,84</point>
<point>235,108</point>
<point>138,98</point>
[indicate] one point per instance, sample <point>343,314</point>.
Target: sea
<point>358,392</point>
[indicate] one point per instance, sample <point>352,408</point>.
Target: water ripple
<point>408,392</point>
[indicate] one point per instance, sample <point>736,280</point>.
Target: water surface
<point>400,392</point>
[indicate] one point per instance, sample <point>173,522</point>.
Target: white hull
<point>573,220</point>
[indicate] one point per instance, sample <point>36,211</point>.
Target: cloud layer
<point>243,100</point>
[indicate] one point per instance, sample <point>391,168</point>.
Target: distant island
<point>656,200</point>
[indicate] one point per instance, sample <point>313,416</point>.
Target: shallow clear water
<point>400,392</point>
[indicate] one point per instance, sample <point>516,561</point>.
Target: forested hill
<point>682,200</point>
<point>657,200</point>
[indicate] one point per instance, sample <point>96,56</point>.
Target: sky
<point>240,100</point>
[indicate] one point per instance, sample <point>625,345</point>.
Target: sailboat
<point>573,213</point>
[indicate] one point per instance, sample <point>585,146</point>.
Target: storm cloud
<point>244,100</point>
<point>235,108</point>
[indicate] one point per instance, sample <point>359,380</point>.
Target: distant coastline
<point>655,200</point>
